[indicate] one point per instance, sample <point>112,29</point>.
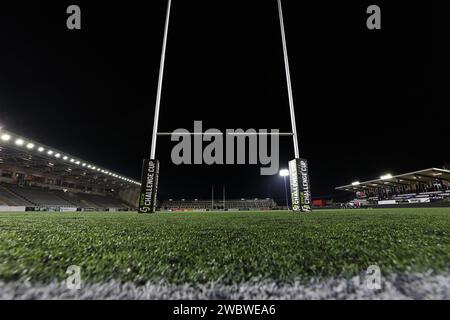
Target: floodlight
<point>41,149</point>
<point>386,176</point>
<point>50,152</point>
<point>84,165</point>
<point>285,173</point>
<point>30,146</point>
<point>20,142</point>
<point>58,155</point>
<point>72,160</point>
<point>65,157</point>
<point>356,183</point>
<point>77,163</point>
<point>6,137</point>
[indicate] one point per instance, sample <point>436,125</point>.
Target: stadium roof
<point>389,180</point>
<point>19,151</point>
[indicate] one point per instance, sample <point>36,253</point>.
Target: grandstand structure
<point>428,187</point>
<point>209,205</point>
<point>34,176</point>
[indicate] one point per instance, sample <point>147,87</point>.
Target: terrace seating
<point>97,201</point>
<point>14,195</point>
<point>40,197</point>
<point>10,198</point>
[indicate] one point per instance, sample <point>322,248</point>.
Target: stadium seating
<point>411,198</point>
<point>15,195</point>
<point>9,198</point>
<point>40,197</point>
<point>97,201</point>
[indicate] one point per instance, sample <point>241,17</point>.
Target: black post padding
<point>149,188</point>
<point>300,185</point>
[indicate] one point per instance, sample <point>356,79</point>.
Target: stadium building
<point>428,188</point>
<point>206,205</point>
<point>37,177</point>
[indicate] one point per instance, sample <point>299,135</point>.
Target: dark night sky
<point>363,98</point>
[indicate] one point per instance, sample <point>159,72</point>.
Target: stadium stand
<point>39,197</point>
<point>7,197</point>
<point>203,205</point>
<point>429,187</point>
<point>34,176</point>
<point>97,201</point>
<point>15,195</point>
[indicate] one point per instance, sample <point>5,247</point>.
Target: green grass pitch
<point>225,247</point>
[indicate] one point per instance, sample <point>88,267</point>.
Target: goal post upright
<point>298,167</point>
<point>288,81</point>
<point>150,168</point>
<point>160,82</point>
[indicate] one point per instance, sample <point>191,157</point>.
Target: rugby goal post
<point>298,168</point>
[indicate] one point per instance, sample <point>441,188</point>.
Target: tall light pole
<point>212,197</point>
<point>224,204</point>
<point>285,173</point>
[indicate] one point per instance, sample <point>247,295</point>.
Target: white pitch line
<point>413,286</point>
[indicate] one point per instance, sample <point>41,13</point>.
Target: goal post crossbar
<point>281,134</point>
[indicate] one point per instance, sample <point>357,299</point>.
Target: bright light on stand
<point>284,172</point>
